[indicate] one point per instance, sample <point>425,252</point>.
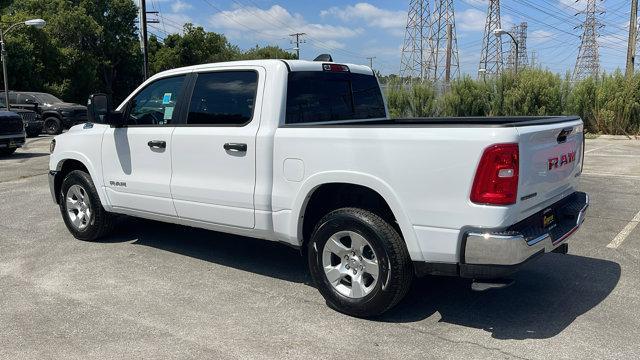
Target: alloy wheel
<point>350,264</point>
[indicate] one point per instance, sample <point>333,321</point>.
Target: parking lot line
<point>596,149</point>
<point>622,235</point>
<point>611,175</point>
<point>613,155</point>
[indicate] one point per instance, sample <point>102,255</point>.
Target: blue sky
<point>353,30</point>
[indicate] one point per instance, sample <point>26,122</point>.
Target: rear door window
<point>26,99</point>
<point>318,96</point>
<point>223,98</point>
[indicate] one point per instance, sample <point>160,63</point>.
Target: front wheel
<point>52,126</point>
<point>359,262</point>
<point>33,133</point>
<point>81,209</point>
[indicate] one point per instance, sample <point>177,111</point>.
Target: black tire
<point>395,266</point>
<point>100,222</point>
<point>33,133</point>
<point>52,126</point>
<point>7,152</point>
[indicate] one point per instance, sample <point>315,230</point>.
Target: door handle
<point>235,147</point>
<point>158,144</point>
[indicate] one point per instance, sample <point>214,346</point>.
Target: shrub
<point>608,104</point>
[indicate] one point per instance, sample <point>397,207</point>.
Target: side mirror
<point>99,110</point>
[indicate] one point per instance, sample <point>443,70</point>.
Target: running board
<point>484,285</point>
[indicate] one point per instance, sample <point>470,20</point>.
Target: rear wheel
<point>52,126</point>
<point>359,262</point>
<point>81,209</point>
<point>7,152</point>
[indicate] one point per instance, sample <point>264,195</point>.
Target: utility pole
<point>371,61</point>
<point>633,38</point>
<point>143,34</point>
<point>297,41</point>
<point>416,44</point>
<point>491,53</point>
<point>443,43</point>
<point>447,70</point>
<point>588,61</point>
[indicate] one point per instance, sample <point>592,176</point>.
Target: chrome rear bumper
<point>489,253</point>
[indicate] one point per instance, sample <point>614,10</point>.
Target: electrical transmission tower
<point>415,48</point>
<point>491,55</point>
<point>443,62</point>
<point>588,61</point>
<point>520,33</point>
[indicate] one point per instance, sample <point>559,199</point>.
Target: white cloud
<point>372,15</point>
<point>541,36</point>
<point>179,6</point>
<point>277,23</point>
<point>471,20</point>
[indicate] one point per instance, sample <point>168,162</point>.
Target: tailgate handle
<point>562,137</point>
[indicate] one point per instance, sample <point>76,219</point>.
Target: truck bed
<point>479,121</point>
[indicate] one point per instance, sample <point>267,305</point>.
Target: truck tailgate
<point>550,160</point>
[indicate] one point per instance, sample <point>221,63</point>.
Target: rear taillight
<point>496,181</point>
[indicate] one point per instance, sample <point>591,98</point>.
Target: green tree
<point>194,46</point>
<point>197,46</point>
<point>267,52</point>
<point>87,46</point>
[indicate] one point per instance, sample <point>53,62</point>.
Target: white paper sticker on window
<point>168,112</point>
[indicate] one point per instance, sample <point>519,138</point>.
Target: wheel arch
<point>302,211</point>
<point>51,113</point>
<point>73,162</point>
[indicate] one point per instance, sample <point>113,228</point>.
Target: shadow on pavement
<point>548,295</point>
<point>253,255</point>
<point>18,155</point>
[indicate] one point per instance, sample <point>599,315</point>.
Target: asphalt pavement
<point>159,291</point>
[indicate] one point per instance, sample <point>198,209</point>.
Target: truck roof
<point>292,65</point>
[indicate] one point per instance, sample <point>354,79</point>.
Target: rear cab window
<point>324,96</point>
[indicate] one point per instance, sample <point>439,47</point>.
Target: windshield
<point>47,98</point>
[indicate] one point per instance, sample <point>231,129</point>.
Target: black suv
<point>57,114</point>
<point>12,134</point>
<point>31,119</point>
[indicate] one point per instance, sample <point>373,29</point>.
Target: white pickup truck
<point>304,153</point>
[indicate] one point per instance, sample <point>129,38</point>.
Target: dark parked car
<point>57,114</point>
<point>32,120</point>
<point>12,135</point>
